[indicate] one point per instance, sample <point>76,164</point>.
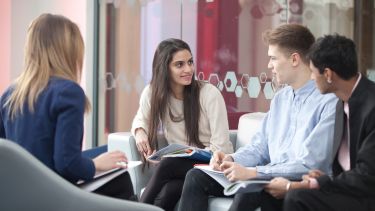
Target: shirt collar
<point>346,104</point>
<point>305,91</point>
<point>356,83</point>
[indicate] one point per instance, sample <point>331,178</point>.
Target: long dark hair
<point>161,91</point>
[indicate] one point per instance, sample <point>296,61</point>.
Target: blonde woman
<point>43,110</point>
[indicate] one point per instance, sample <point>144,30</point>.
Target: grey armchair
<point>27,184</point>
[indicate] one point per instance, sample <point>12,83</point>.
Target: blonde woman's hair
<point>54,47</point>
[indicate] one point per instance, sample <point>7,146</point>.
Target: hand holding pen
<point>218,158</point>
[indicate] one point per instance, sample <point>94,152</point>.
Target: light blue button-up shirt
<point>295,136</point>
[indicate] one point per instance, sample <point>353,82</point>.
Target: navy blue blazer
<point>360,179</point>
<point>53,132</point>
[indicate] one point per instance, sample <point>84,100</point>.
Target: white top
<point>213,121</point>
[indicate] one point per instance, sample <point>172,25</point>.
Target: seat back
<point>27,184</point>
<point>248,125</point>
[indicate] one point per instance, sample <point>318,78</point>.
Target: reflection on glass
<point>226,41</point>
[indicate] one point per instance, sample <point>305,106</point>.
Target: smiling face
<point>280,65</point>
<point>181,69</point>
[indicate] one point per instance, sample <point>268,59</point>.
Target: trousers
<point>165,186</point>
<point>314,199</point>
<point>198,187</point>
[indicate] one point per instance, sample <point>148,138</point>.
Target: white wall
<point>5,37</point>
<point>20,13</point>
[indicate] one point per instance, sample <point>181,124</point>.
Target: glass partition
<point>226,41</point>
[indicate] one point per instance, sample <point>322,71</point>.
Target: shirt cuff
<point>235,158</point>
<point>263,170</point>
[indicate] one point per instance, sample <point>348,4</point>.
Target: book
<point>102,178</point>
<point>247,186</point>
<point>182,151</point>
<point>243,186</point>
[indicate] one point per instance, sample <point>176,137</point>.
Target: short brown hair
<point>290,38</point>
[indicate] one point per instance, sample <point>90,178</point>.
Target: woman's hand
<point>141,140</point>
<point>234,171</point>
<point>110,160</point>
<point>155,162</point>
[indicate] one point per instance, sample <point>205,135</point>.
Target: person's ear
<point>328,75</point>
<point>295,59</point>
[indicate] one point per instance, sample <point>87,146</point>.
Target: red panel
<point>217,45</point>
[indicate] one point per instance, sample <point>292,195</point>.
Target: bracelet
<point>288,185</point>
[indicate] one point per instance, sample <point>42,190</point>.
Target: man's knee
<point>293,195</point>
<point>297,196</point>
<point>246,201</point>
<point>194,177</point>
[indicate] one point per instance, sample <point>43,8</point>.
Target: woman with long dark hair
<point>185,111</point>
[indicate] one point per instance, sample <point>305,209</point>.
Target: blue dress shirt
<point>295,136</point>
<point>53,132</point>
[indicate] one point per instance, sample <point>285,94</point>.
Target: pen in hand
<point>216,160</point>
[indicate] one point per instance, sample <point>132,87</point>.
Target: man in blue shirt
<point>295,136</point>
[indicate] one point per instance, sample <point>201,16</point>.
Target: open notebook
<point>102,178</point>
<point>182,151</point>
<point>253,185</point>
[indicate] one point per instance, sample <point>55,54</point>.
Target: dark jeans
<point>199,186</point>
<point>309,200</point>
<point>120,187</point>
<point>165,186</point>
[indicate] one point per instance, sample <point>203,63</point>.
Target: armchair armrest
<point>125,142</point>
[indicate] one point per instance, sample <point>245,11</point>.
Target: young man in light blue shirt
<point>295,136</point>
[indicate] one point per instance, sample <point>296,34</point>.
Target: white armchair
<point>124,141</point>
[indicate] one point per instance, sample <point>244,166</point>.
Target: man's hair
<point>290,38</point>
<point>337,53</point>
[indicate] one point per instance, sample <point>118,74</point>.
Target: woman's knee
<point>167,164</point>
<point>165,168</point>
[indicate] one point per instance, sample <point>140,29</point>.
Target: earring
<point>329,81</point>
